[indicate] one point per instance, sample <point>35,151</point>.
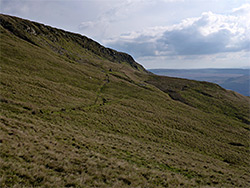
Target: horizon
<point>165,34</point>
<point>77,114</point>
<point>233,79</point>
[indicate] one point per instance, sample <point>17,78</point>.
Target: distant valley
<point>233,79</point>
<point>74,113</point>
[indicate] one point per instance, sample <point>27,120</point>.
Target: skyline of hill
<point>76,114</point>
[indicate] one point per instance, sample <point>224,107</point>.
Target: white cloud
<point>244,9</point>
<point>167,34</point>
<point>116,14</point>
<point>208,34</point>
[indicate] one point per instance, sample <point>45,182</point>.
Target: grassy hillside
<point>76,114</point>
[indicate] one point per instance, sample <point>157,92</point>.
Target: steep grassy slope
<point>74,115</point>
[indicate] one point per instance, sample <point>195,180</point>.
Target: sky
<point>157,33</point>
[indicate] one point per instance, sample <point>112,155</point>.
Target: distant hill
<point>234,79</point>
<point>76,114</point>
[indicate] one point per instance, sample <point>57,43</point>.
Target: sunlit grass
<point>73,117</point>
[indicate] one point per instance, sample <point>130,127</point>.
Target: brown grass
<point>56,129</point>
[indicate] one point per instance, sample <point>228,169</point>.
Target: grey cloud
<point>190,41</point>
<point>137,49</point>
<point>86,25</point>
<point>208,34</point>
<point>15,7</point>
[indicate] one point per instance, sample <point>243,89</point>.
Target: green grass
<point>67,120</point>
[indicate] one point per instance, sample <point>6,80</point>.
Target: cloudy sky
<point>157,33</point>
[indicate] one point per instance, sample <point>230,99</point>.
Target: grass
<point>67,120</point>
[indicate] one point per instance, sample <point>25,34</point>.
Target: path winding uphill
<point>68,120</point>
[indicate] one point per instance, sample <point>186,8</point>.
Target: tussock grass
<point>74,115</point>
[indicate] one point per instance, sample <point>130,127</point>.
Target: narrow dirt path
<point>106,81</point>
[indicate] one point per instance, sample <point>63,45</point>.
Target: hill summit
<point>77,114</point>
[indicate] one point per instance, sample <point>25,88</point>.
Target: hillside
<point>76,114</point>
